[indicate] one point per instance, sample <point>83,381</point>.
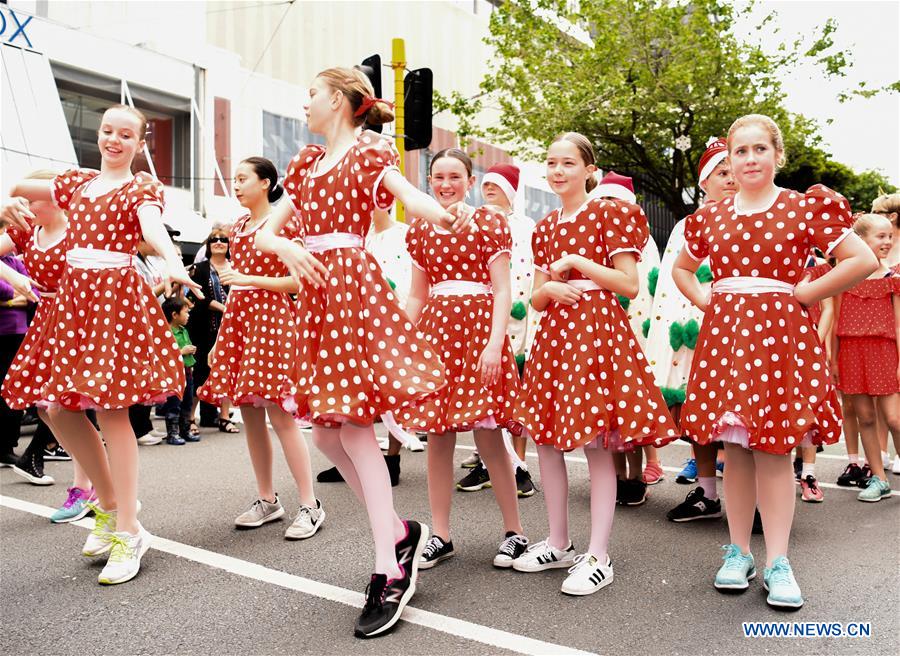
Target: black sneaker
<point>31,468</point>
<point>513,546</point>
<point>56,453</point>
<point>620,490</point>
<point>634,492</point>
<point>695,506</point>
<point>524,484</point>
<point>385,600</point>
<point>435,551</point>
<point>865,473</point>
<point>850,476</point>
<point>330,476</point>
<point>8,459</point>
<point>477,479</point>
<point>757,523</point>
<point>798,469</point>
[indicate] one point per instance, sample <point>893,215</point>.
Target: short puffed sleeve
<point>301,166</point>
<point>66,184</point>
<point>817,271</point>
<point>827,217</point>
<point>540,244</point>
<point>144,190</point>
<point>414,244</point>
<point>624,227</point>
<point>895,282</point>
<point>493,229</point>
<point>375,157</point>
<point>293,227</point>
<point>695,241</point>
<point>21,239</point>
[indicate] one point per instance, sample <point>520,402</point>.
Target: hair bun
<point>276,191</point>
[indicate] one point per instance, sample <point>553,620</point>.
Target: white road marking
<point>453,626</point>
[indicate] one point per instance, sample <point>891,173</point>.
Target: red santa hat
<point>618,186</point>
<point>716,151</point>
<point>505,176</point>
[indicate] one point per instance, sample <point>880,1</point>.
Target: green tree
<point>634,76</point>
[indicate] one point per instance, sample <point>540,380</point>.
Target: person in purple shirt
<point>13,324</point>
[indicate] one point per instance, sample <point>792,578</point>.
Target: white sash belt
<point>751,285</point>
<point>242,288</point>
<point>331,241</point>
<point>584,285</point>
<point>96,258</point>
<point>460,288</point>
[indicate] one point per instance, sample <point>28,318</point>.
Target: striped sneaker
<point>543,555</point>
<point>587,576</point>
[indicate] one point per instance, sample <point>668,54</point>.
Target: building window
<point>85,96</point>
<point>283,137</point>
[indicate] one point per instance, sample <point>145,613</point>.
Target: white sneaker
<point>415,445</point>
<point>98,540</point>
<point>158,432</point>
<point>896,468</point>
<point>126,551</point>
<point>587,576</point>
<point>306,523</point>
<point>149,439</point>
<point>543,556</point>
<point>260,512</point>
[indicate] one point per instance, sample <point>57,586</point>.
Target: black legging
<point>10,420</point>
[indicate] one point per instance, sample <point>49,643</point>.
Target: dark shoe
<point>330,476</point>
<point>850,476</point>
<point>864,475</point>
<point>31,468</point>
<point>477,479</point>
<point>757,523</point>
<point>393,465</point>
<point>174,441</point>
<point>56,453</point>
<point>184,430</point>
<point>634,492</point>
<point>435,551</point>
<point>798,469</point>
<point>8,459</point>
<point>695,506</point>
<point>228,426</point>
<point>524,484</point>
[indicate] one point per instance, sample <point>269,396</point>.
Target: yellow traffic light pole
<point>398,63</point>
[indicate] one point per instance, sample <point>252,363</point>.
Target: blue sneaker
<point>688,475</point>
<point>737,571</point>
<point>875,490</point>
<point>75,507</point>
<point>782,586</point>
<point>720,468</point>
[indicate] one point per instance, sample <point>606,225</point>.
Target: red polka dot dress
<point>814,273</point>
<point>457,322</point>
<point>105,343</point>
<point>255,355</point>
<point>867,338</point>
<point>759,377</point>
<point>587,383</point>
<point>45,264</point>
<point>359,354</point>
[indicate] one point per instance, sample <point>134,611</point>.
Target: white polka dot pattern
<point>758,360</point>
<point>459,327</point>
<point>587,380</point>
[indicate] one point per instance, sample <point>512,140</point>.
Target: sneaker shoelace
<point>581,560</point>
<point>812,483</point>
<point>102,520</point>
<point>781,574</point>
<point>542,546</point>
<point>734,559</point>
<point>120,550</point>
<point>508,546</point>
<point>434,545</point>
<point>73,497</point>
<point>375,593</point>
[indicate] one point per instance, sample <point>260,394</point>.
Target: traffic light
<point>371,67</point>
<point>417,95</point>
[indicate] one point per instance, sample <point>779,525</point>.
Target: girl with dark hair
<point>254,361</point>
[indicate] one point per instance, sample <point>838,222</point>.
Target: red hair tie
<point>367,104</point>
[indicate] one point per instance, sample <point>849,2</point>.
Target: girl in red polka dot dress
<point>359,355</point>
<point>760,382</point>
<point>587,384</point>
<point>105,343</point>
<point>43,250</point>
<point>867,358</point>
<point>253,364</point>
<point>460,298</point>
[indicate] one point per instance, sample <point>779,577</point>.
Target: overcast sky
<point>865,134</point>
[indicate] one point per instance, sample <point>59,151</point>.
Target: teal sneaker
<point>782,586</point>
<point>75,507</point>
<point>876,490</point>
<point>737,571</point>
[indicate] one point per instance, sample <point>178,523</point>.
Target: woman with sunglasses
<point>203,326</point>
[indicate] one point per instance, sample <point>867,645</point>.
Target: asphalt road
<point>207,588</point>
